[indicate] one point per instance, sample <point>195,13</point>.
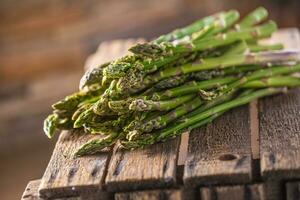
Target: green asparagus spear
<point>172,131</point>
<point>263,73</point>
<point>96,145</point>
<point>145,105</point>
<point>193,87</point>
<point>138,83</point>
<point>276,81</point>
<point>207,43</point>
<point>161,121</point>
<point>92,76</point>
<point>188,30</point>
<point>258,15</point>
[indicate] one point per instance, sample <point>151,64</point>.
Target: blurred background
<point>43,47</point>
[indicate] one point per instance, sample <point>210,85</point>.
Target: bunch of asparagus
<point>177,82</point>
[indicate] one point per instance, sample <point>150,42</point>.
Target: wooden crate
<point>251,152</point>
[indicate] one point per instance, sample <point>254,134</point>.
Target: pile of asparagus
<point>177,82</point>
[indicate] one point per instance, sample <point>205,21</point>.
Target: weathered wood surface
<point>279,126</point>
<point>152,167</point>
<point>240,192</point>
<point>293,190</point>
<point>280,135</point>
<point>31,193</point>
<point>220,152</point>
<point>67,176</point>
<point>172,194</point>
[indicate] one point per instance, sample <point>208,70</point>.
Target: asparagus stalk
<point>193,87</point>
<point>101,106</point>
<point>137,84</point>
<point>96,145</point>
<point>238,48</point>
<point>210,104</point>
<point>260,47</point>
<point>223,107</point>
<point>188,30</point>
<point>213,42</point>
<point>174,130</point>
<point>92,76</point>
<point>216,115</point>
<point>251,81</point>
<point>258,15</point>
<point>146,105</point>
<point>277,81</point>
<point>263,73</point>
<point>54,122</point>
<point>161,121</point>
<point>231,60</point>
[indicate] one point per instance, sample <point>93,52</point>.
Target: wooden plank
<point>31,193</point>
<point>150,195</point>
<point>273,189</point>
<point>273,137</point>
<point>240,192</point>
<point>280,136</point>
<point>67,176</point>
<point>279,125</point>
<point>287,37</point>
<point>220,152</point>
<point>152,167</point>
<point>293,190</point>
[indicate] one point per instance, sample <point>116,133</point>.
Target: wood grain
<point>293,190</point>
<point>152,167</point>
<point>240,192</point>
<point>31,193</point>
<point>150,195</point>
<point>220,152</point>
<point>279,125</point>
<point>67,176</point>
<point>273,189</point>
<point>280,135</point>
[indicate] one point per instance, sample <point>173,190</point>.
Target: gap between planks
<point>254,130</point>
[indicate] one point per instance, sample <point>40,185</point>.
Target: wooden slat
<point>220,152</point>
<point>150,195</point>
<point>279,125</point>
<point>273,126</point>
<point>273,189</point>
<point>280,136</point>
<point>152,167</point>
<point>67,176</point>
<point>31,193</point>
<point>240,192</point>
<point>293,190</point>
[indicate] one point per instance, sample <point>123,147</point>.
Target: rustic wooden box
<point>252,152</point>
